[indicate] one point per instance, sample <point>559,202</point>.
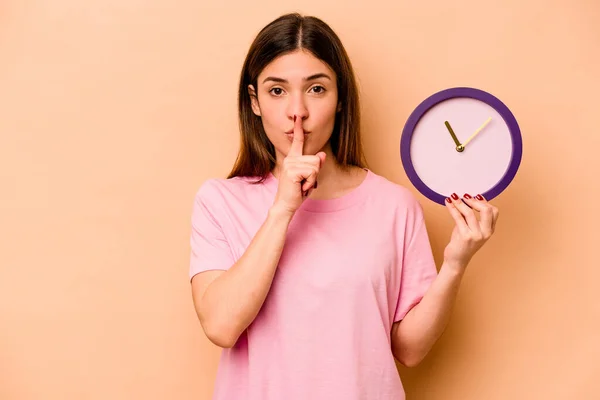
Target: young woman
<point>311,271</point>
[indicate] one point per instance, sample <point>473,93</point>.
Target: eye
<point>276,91</point>
<point>321,89</point>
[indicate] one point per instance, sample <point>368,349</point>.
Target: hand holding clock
<point>469,233</point>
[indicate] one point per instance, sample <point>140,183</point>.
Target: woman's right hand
<point>298,175</point>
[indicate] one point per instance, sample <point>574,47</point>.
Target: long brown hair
<point>290,32</point>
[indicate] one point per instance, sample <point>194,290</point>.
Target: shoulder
<point>227,201</point>
<point>227,194</point>
<point>395,193</point>
<point>218,188</point>
<point>404,210</point>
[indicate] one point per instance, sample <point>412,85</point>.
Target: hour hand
<point>459,147</point>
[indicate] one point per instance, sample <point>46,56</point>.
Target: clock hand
<point>459,147</point>
<point>477,131</point>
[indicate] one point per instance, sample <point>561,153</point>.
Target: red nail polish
<point>448,199</point>
<point>479,197</point>
<point>454,196</point>
<point>467,196</point>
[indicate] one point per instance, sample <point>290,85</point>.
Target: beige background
<point>113,112</point>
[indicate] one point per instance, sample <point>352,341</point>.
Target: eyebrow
<point>309,78</point>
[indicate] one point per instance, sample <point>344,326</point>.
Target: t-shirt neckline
<point>356,195</point>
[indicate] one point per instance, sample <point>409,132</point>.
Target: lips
<point>290,136</point>
<point>292,132</point>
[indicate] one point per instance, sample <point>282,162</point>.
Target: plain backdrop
<point>113,113</point>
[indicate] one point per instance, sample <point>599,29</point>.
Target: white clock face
<point>481,164</point>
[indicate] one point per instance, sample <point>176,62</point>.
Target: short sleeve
<point>418,264</point>
<point>209,247</point>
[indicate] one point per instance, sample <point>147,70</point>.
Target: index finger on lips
<point>297,148</point>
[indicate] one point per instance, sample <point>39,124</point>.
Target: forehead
<point>295,66</point>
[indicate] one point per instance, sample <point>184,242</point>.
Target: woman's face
<point>296,84</point>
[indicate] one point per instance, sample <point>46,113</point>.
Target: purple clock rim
<point>477,94</point>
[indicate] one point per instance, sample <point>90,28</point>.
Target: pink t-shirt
<point>350,268</point>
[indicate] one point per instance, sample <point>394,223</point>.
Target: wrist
<point>454,266</point>
<point>278,212</point>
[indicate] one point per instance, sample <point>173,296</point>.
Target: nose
<point>297,106</point>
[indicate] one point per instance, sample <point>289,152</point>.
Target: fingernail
<point>467,196</point>
<point>454,196</point>
<point>479,197</point>
<point>448,199</point>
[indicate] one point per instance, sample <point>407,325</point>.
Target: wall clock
<point>461,140</point>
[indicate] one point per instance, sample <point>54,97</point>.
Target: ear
<point>339,107</point>
<point>254,100</point>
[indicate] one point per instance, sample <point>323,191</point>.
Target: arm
<point>414,336</point>
<point>226,302</point>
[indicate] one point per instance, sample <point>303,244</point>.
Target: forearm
<point>232,301</point>
<point>415,335</point>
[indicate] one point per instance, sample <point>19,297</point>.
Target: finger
<point>485,212</point>
<point>495,211</point>
<point>309,161</point>
<point>310,178</point>
<point>305,175</point>
<point>297,148</point>
<point>296,163</point>
<point>457,216</point>
<point>305,160</point>
<point>489,213</point>
<point>468,214</point>
<point>322,156</point>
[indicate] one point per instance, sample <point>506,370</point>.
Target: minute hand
<point>477,132</point>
